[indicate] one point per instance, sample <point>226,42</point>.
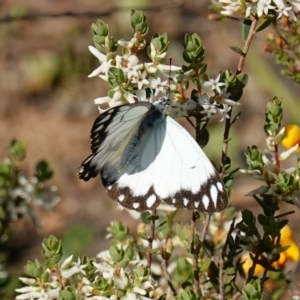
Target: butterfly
<point>144,157</point>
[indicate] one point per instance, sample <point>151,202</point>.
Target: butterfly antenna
<point>169,89</point>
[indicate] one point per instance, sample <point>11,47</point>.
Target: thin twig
<point>91,14</point>
<point>230,231</point>
<point>252,269</point>
<point>264,277</point>
<point>59,276</point>
<point>247,45</point>
<point>164,266</point>
<point>195,252</point>
<point>276,155</point>
<point>221,290</point>
<point>238,71</point>
<point>191,123</point>
<point>205,226</point>
<point>150,241</point>
<point>236,296</point>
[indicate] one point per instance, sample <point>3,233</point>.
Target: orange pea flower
<point>290,254</point>
<point>292,136</point>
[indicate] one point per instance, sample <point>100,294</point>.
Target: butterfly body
<point>145,157</point>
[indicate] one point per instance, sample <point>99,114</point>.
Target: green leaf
<point>143,236</point>
<point>68,294</point>
<point>203,137</point>
<point>34,269</point>
<point>237,50</point>
<point>124,263</point>
<point>116,253</point>
<point>17,150</point>
<point>205,265</point>
<point>246,29</point>
<point>248,217</point>
<point>265,23</point>
<point>162,226</point>
<point>229,213</point>
<point>144,217</point>
<point>242,80</point>
<point>43,171</point>
<point>137,17</point>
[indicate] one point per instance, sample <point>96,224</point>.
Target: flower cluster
<point>122,272</point>
<point>131,80</point>
<point>95,280</point>
<point>259,8</point>
<point>291,253</point>
<point>282,184</point>
<point>20,193</point>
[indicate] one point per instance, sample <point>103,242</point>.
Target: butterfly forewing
<point>110,133</point>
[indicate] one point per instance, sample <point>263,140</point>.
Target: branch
<point>221,283</point>
<point>205,226</point>
<point>150,241</point>
<point>195,252</point>
<point>91,14</point>
<point>164,266</point>
<point>238,71</point>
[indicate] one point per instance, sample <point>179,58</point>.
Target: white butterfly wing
<point>169,165</point>
<point>111,133</point>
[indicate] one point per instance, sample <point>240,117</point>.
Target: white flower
<point>104,65</point>
<point>286,154</point>
<point>263,7</point>
<point>208,110</point>
<point>133,67</point>
<point>28,281</point>
<point>97,53</point>
<point>286,11</point>
<point>67,262</point>
<point>127,44</point>
<point>31,292</point>
<point>241,8</point>
<point>251,9</point>
<point>177,109</point>
<point>213,84</point>
<point>233,7</point>
<point>156,84</point>
<point>295,3</point>
<point>226,100</point>
<point>224,112</point>
<point>77,267</point>
<point>142,80</point>
<point>116,100</point>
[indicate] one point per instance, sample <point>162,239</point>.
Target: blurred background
<point>47,101</point>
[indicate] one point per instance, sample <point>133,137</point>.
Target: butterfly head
<point>163,103</point>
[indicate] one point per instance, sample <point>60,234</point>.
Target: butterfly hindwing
<point>198,187</point>
<point>169,166</point>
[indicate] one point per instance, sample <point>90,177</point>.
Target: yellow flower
<point>248,264</point>
<point>292,137</point>
<point>290,254</point>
